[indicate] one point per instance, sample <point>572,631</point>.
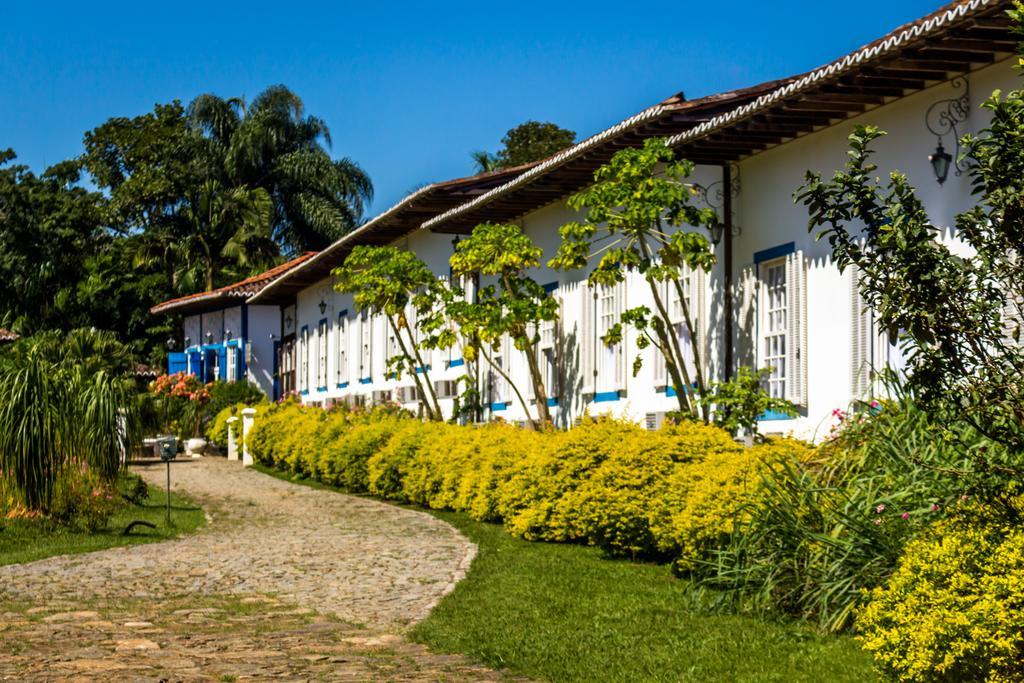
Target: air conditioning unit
<point>408,394</point>
<point>446,388</point>
<point>382,396</point>
<point>653,421</point>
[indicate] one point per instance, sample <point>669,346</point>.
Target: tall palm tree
<point>274,145</point>
<point>484,161</point>
<point>220,227</point>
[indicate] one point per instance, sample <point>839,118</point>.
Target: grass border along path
<point>29,540</point>
<point>565,613</point>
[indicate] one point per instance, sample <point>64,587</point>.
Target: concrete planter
<point>195,447</point>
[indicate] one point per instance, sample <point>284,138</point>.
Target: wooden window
<point>774,324</point>
<point>304,359</point>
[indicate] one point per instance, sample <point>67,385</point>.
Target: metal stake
<point>168,493</point>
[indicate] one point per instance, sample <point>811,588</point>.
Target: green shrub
<point>952,610</point>
<point>539,502</point>
<point>224,394</point>
<point>344,459</point>
<point>387,468</point>
<point>707,498</point>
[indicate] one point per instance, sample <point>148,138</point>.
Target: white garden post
<point>248,418</point>
<point>233,437</point>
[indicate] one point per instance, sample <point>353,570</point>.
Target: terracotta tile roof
<point>8,336</point>
<point>238,290</point>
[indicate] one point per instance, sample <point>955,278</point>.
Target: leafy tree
<point>527,142</point>
<point>225,226</point>
<point>959,316</point>
<point>274,145</point>
<point>739,402</point>
<point>516,306</point>
<point>389,281</point>
<point>50,229</point>
<point>636,198</point>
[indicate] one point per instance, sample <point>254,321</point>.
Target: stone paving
<point>285,582</point>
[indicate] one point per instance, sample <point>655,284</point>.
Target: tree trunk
<point>426,377</point>
<point>409,361</point>
<point>508,379</point>
<point>701,387</point>
<point>675,357</point>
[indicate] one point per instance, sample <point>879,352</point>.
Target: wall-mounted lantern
<point>209,337</point>
<point>170,343</point>
<point>716,230</point>
<point>943,118</point>
<point>323,307</point>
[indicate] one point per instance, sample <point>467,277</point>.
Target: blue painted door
<point>177,362</point>
<point>196,363</point>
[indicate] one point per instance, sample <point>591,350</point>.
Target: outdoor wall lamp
<point>943,118</point>
<point>716,230</point>
<point>940,161</point>
<point>188,341</point>
<point>170,343</point>
<point>323,307</point>
<point>209,337</point>
<point>227,334</point>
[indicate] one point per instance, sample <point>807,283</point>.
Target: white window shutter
<point>747,334</point>
<point>860,339</point>
<point>620,348</point>
<point>698,315</point>
<point>796,329</point>
<point>588,330</point>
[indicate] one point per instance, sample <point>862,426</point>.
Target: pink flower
<point>880,509</point>
<point>905,515</point>
<point>874,404</point>
<point>95,493</point>
<point>964,498</point>
<point>878,520</point>
<point>935,507</point>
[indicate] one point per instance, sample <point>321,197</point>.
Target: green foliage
<point>55,407</point>
<point>394,283</point>
<point>515,307</point>
<point>635,199</point>
<point>951,611</point>
<point>954,312</point>
<point>223,394</point>
<point>527,142</point>
<point>822,529</point>
<point>739,402</point>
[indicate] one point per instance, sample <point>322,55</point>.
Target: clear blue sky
<point>408,89</point>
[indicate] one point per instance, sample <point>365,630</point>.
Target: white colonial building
<point>774,298</point>
<point>224,337</point>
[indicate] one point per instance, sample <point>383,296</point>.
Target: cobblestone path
<point>285,583</point>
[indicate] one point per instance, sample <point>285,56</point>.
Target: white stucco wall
<point>766,217</point>
<point>263,321</point>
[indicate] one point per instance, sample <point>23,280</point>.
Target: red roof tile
<point>242,289</point>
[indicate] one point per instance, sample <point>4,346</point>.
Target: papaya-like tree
<point>516,305</point>
<point>389,281</point>
<point>636,198</point>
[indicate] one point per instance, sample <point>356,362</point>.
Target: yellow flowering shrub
<point>265,440</point>
<point>954,609</point>
<point>499,447</point>
<point>619,503</point>
<point>690,440</point>
<point>343,459</point>
<point>387,467</point>
<point>706,497</point>
<point>538,502</point>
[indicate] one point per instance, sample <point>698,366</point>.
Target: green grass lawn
<point>565,613</point>
<point>28,540</point>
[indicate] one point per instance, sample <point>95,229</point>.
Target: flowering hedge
<point>953,609</point>
<point>670,494</point>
